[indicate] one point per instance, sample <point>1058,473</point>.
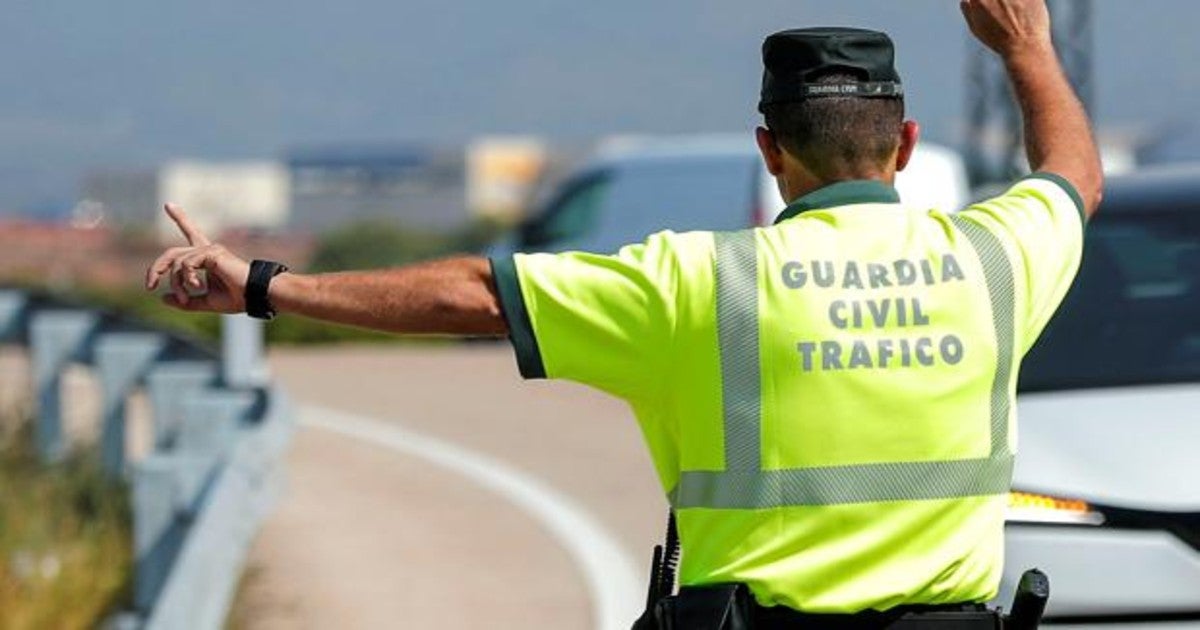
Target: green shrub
<point>65,538</point>
<point>374,244</point>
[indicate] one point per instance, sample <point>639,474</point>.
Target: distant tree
<point>370,244</point>
<point>373,244</point>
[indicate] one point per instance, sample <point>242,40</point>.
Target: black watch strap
<point>261,272</point>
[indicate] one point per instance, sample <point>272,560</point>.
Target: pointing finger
<point>189,229</point>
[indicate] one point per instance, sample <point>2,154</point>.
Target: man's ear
<point>772,154</point>
<point>910,131</point>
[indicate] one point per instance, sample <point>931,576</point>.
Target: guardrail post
<point>166,489</point>
<point>211,419</point>
<point>57,337</point>
<point>220,431</point>
<point>157,535</point>
<point>243,365</point>
<point>12,313</point>
<point>235,503</point>
<point>169,385</point>
<point>122,360</point>
<point>267,467</point>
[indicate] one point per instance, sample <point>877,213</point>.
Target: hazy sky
<point>133,82</point>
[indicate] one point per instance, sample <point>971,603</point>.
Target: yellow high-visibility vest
<point>828,401</point>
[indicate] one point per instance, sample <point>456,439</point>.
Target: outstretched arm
<point>455,296</point>
<point>1058,135</point>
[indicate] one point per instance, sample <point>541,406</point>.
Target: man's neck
<point>802,184</point>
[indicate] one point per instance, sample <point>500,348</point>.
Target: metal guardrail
<point>220,433</point>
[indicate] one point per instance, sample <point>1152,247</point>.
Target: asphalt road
<point>376,536</point>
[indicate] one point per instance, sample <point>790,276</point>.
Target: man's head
<point>834,108</point>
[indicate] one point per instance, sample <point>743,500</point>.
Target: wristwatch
<point>257,283</point>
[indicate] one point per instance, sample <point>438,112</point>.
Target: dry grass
<point>65,534</point>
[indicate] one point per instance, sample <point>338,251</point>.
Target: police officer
<point>828,401</point>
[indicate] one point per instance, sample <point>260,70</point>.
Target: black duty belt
<point>731,607</point>
<point>942,617</point>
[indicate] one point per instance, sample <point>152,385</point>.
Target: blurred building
<point>502,174</point>
<point>123,197</point>
<point>218,195</point>
<point>314,190</point>
<point>414,186</point>
<point>226,195</point>
<point>64,255</point>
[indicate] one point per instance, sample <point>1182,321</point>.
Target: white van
<point>637,186</point>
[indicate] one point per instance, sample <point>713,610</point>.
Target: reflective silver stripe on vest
<point>838,485</point>
<point>744,485</point>
<point>737,335</point>
<point>998,272</point>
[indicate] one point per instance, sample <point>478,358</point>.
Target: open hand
<point>223,286</point>
<point>1009,26</point>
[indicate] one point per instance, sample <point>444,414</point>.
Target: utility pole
<point>994,150</point>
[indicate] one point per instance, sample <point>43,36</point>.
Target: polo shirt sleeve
<point>1040,221</point>
<point>602,320</point>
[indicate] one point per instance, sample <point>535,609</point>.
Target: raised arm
<point>1058,135</point>
<point>455,296</point>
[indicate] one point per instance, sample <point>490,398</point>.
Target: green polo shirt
<point>828,401</point>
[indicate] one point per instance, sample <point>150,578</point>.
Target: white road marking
<point>613,584</point>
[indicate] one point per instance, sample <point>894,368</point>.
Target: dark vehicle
<point>1109,458</point>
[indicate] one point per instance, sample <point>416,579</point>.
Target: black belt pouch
<point>711,607</point>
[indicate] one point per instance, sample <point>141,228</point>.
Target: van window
<point>1133,314</point>
<point>569,216</point>
<point>709,193</point>
<point>641,197</point>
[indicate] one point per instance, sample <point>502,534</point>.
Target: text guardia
<point>873,296</point>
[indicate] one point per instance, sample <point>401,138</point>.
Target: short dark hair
<point>838,136</point>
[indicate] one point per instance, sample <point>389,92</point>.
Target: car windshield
<point>1133,314</point>
<point>622,204</point>
<point>569,215</point>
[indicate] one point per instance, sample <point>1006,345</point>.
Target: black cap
<point>793,60</point>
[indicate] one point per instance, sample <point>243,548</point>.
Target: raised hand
<point>1009,26</point>
<point>224,284</point>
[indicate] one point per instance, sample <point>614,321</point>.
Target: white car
<point>1107,479</point>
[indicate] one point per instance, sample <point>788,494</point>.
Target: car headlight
<point>1027,507</point>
